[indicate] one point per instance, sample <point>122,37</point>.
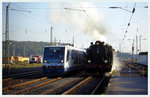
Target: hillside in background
<point>24,48</point>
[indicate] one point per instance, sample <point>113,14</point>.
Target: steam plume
<point>116,63</point>
<point>88,21</point>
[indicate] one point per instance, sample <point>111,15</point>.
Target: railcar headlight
<point>45,61</point>
<point>106,61</point>
<point>62,61</point>
<point>89,61</point>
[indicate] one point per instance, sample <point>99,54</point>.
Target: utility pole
<point>120,47</point>
<point>24,51</point>
<point>133,51</point>
<point>7,31</point>
<point>59,42</point>
<point>55,40</point>
<point>140,43</point>
<point>3,48</point>
<point>51,35</point>
<point>7,34</point>
<point>73,40</point>
<point>140,40</point>
<point>136,44</point>
<point>13,49</point>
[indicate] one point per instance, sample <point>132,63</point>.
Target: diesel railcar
<point>99,58</point>
<point>59,60</point>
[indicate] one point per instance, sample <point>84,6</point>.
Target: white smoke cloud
<point>99,36</point>
<point>116,63</point>
<point>88,21</point>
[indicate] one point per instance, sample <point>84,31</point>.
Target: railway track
<point>61,85</point>
<point>136,68</point>
<point>7,89</point>
<point>98,86</point>
<point>71,90</point>
<point>21,74</point>
<point>23,77</point>
<point>86,87</point>
<point>25,87</point>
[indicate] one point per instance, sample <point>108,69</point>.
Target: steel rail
<point>6,89</point>
<point>59,86</point>
<point>20,75</point>
<point>76,86</point>
<point>24,91</point>
<point>94,91</point>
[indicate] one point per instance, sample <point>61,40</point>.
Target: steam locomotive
<point>99,58</point>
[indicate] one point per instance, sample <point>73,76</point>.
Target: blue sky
<point>35,26</point>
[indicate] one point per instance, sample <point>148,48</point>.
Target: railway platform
<point>127,82</point>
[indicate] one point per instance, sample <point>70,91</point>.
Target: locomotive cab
<point>53,60</point>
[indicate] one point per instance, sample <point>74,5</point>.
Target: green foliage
<point>24,48</point>
<point>113,72</point>
<point>22,66</point>
<point>21,63</point>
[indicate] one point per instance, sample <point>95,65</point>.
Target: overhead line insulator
<point>133,10</point>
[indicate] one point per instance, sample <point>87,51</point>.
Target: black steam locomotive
<point>99,58</point>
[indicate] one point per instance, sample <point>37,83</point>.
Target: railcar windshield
<point>54,55</point>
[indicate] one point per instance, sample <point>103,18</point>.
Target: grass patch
<point>113,72</point>
<point>21,65</point>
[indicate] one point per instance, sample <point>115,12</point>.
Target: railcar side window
<point>72,54</point>
<point>68,52</point>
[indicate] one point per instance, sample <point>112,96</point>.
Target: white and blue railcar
<point>58,60</point>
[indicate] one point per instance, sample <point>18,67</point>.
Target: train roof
<point>56,46</point>
<point>143,53</point>
<point>69,46</point>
